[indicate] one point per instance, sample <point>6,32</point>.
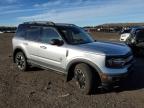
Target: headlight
<point>115,63</point>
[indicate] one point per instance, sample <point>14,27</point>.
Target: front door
<point>52,56</point>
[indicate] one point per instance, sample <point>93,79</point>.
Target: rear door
<point>32,42</point>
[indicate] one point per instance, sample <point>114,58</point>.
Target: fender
<point>83,61</point>
<point>18,49</point>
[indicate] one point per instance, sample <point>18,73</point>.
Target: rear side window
<point>33,33</point>
<point>21,31</point>
<point>48,34</point>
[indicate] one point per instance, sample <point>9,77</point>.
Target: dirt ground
<point>39,88</point>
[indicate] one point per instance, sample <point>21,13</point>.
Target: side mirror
<point>56,42</point>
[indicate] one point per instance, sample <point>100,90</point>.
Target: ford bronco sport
<point>68,49</point>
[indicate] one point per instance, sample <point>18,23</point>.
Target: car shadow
<point>33,69</point>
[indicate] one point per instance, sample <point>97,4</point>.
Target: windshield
<point>75,35</point>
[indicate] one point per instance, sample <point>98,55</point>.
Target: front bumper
<point>116,79</point>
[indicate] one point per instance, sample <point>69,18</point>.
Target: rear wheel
<point>85,79</point>
<point>21,62</point>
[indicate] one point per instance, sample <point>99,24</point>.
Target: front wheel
<point>85,78</point>
<point>21,62</point>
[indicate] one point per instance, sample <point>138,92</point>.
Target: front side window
<point>49,34</point>
<point>33,34</point>
<point>75,35</point>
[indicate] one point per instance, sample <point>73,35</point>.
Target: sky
<point>79,12</point>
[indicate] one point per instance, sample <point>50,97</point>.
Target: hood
<point>107,48</point>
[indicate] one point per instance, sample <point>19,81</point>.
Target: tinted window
<point>33,34</point>
<point>21,31</point>
<point>49,34</point>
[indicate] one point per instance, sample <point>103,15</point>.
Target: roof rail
<point>40,22</point>
<point>66,24</point>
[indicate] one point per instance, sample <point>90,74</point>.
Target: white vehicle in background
<point>124,35</point>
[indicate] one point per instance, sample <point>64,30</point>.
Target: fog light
<point>105,77</point>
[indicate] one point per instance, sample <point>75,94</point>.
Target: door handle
<point>43,47</point>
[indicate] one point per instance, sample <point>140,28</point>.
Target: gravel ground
<point>39,88</point>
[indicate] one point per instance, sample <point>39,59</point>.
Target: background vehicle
<point>125,34</point>
<point>136,40</point>
<point>68,49</point>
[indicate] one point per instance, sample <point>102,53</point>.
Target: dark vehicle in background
<point>136,41</point>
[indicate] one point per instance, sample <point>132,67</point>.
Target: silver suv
<point>68,49</point>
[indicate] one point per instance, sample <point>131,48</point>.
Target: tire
<point>86,80</point>
<point>21,62</point>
